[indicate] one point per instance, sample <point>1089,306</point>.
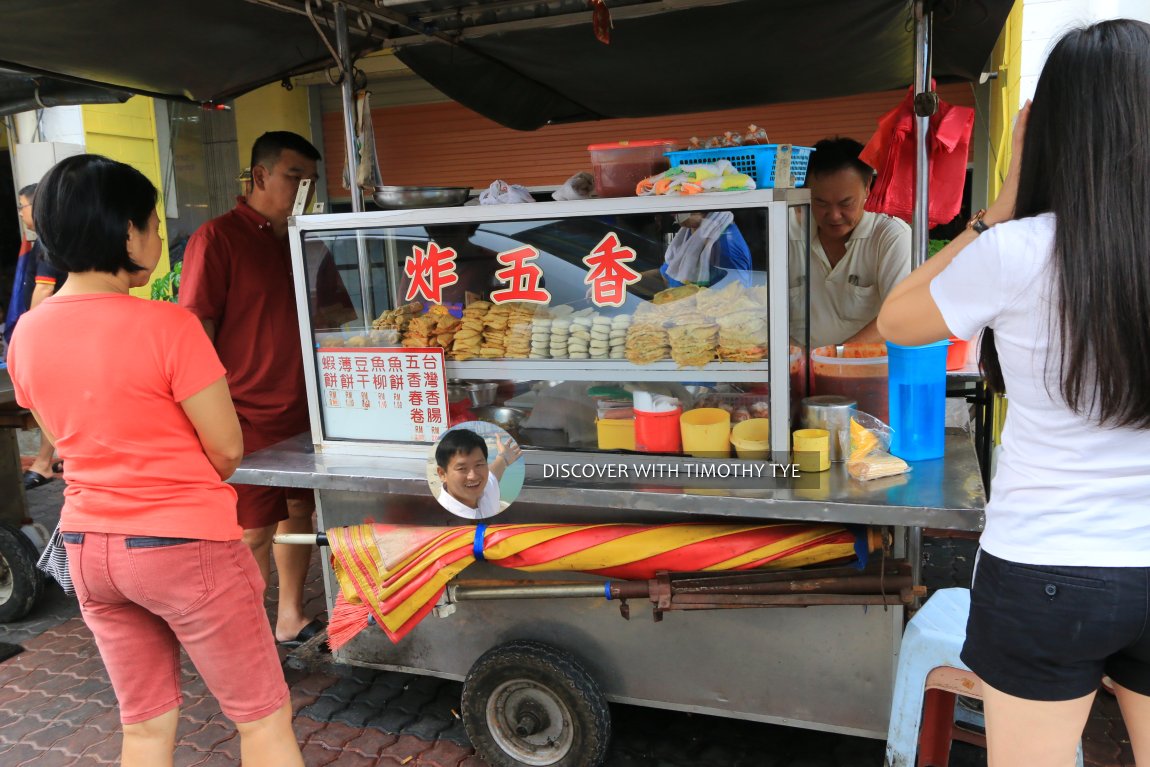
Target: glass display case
<point>598,325</point>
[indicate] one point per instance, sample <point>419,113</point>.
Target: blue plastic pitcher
<point>918,400</point>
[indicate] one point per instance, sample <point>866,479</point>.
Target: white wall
<point>1044,21</point>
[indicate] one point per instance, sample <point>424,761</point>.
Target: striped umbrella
<point>397,573</point>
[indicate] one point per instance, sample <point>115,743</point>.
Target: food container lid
<point>632,144</point>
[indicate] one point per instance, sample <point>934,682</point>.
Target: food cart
<point>827,665</point>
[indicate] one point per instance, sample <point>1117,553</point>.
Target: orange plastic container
<point>619,167</point>
<point>658,432</point>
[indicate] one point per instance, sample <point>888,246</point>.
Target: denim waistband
<point>136,542</point>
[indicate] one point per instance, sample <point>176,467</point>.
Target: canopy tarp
<point>21,92</point>
<point>197,50</point>
<point>704,58</point>
<point>522,64</point>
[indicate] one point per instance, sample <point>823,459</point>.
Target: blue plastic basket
<point>756,160</point>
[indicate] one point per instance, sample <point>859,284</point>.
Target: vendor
<point>470,484</point>
<point>857,257</point>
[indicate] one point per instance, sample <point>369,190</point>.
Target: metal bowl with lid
<point>402,197</point>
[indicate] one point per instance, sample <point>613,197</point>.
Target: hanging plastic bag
<point>891,152</point>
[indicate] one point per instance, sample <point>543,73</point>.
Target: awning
<point>197,50</point>
<point>693,59</point>
<point>521,63</point>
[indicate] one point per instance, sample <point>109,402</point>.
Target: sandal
<point>58,467</point>
<point>316,626</point>
<point>34,479</point>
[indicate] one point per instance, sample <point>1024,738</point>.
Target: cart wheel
<point>527,704</point>
<point>20,581</point>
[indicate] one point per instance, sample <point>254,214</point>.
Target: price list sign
<point>383,394</point>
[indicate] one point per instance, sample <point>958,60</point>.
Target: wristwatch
<point>977,224</point>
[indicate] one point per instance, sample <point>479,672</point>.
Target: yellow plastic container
<point>812,449</point>
<point>616,433</point>
<point>751,438</point>
<point>706,432</point>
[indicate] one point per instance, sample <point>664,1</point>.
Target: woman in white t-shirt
<point>1058,270</point>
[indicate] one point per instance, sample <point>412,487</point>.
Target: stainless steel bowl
<point>398,197</point>
<point>507,417</point>
<point>482,393</point>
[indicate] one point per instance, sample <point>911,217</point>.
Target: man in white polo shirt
<point>857,257</point>
<point>470,484</point>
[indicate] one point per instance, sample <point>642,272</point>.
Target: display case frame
<point>775,203</point>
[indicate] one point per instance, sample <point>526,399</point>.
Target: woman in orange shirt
<point>133,396</point>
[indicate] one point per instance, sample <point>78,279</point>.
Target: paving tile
<point>106,751</point>
<point>50,735</point>
<point>371,742</point>
<point>18,729</point>
<point>17,754</point>
<point>80,739</point>
<point>218,760</point>
<point>207,737</point>
<point>304,726</point>
<point>445,754</point>
<point>315,755</point>
<point>50,758</point>
<point>334,736</point>
<point>405,746</point>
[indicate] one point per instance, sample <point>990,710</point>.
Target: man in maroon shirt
<point>237,278</point>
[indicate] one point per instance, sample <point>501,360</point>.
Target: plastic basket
<point>756,160</point>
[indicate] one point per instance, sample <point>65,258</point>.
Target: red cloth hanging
<point>891,152</point>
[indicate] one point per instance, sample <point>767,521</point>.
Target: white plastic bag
<point>501,193</point>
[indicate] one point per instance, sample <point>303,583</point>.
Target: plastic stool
<point>930,677</point>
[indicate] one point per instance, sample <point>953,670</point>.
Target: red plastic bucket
<point>658,432</point>
<point>956,354</point>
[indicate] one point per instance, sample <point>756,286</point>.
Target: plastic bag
<point>870,441</point>
<point>500,192</point>
<point>578,187</point>
<point>868,434</point>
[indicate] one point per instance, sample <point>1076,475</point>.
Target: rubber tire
<point>20,556</point>
<point>563,677</point>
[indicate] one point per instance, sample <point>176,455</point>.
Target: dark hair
<point>456,442</point>
<point>28,192</point>
<point>83,208</point>
<point>1086,158</point>
<point>268,147</point>
<point>834,154</point>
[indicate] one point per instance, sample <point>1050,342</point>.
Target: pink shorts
<point>260,506</point>
<point>144,597</point>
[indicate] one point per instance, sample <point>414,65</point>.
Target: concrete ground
<point>57,708</point>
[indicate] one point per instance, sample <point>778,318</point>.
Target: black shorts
<point>1044,632</point>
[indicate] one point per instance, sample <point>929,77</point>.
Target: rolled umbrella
<point>397,573</point>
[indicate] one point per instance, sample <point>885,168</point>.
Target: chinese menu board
<point>395,394</point>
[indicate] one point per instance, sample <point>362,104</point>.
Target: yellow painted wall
<point>1007,58</point>
<point>127,132</point>
<point>271,107</point>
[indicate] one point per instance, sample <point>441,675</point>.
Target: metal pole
<point>348,88</point>
<point>920,225</point>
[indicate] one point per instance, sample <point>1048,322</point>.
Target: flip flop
<point>316,626</point>
<point>34,479</point>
